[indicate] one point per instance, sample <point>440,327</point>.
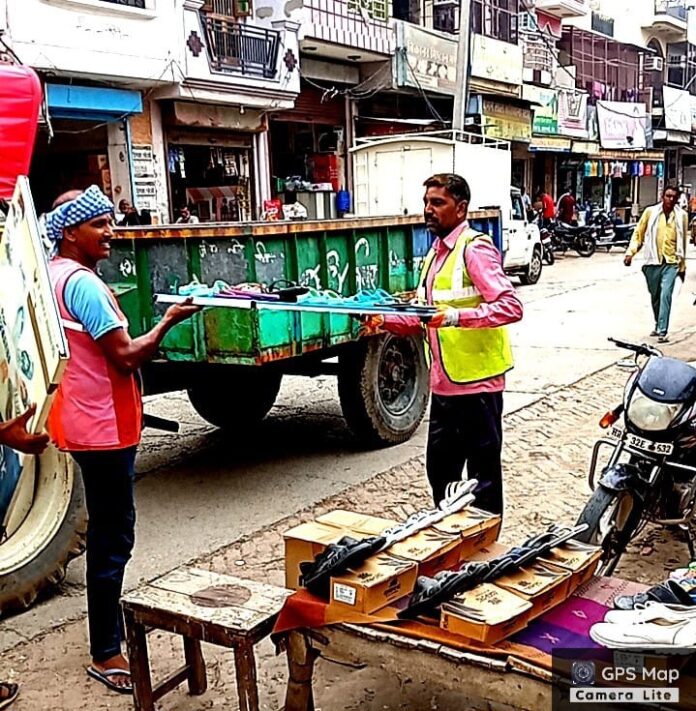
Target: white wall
<point>91,38</point>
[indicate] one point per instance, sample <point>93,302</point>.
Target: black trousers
<point>108,477</point>
<point>467,429</point>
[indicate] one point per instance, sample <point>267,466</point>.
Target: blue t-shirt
<point>87,299</point>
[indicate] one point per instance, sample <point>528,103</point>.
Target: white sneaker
<point>652,611</point>
<point>646,635</point>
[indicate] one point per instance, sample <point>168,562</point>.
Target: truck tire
<point>383,387</point>
<point>34,557</point>
<point>532,273</point>
<point>239,400</point>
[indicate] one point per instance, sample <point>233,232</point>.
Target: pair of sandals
<point>106,676</point>
<point>349,552</point>
<point>430,593</point>
<point>669,592</point>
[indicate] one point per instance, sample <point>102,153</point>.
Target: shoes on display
<point>669,592</point>
<point>337,558</point>
<point>675,637</point>
<point>652,612</point>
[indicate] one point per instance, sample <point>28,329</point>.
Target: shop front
<point>212,160</point>
<point>85,141</point>
<point>308,152</point>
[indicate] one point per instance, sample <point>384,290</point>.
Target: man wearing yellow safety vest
<point>469,347</point>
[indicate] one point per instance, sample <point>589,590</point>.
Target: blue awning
<point>91,103</point>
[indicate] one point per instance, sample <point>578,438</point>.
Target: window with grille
<point>496,18</point>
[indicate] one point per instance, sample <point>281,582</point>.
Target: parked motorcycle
<point>650,476</point>
<point>582,239</point>
<point>612,232</point>
<point>547,255</point>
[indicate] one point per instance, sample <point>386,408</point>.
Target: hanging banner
<point>677,109</point>
<point>572,114</point>
<point>622,125</point>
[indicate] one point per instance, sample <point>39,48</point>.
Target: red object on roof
<point>20,101</point>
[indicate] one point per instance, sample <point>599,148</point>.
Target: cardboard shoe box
<point>486,614</point>
<point>542,584</point>
<point>378,582</point>
<point>304,543</point>
<point>581,559</point>
<point>477,529</point>
<point>431,549</point>
<point>360,523</point>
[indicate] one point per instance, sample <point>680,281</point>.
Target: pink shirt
<point>501,306</point>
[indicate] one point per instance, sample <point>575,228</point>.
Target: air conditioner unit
<point>654,64</point>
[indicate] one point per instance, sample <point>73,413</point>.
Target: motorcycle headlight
<point>651,416</point>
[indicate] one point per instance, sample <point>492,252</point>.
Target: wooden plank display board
<point>33,347</point>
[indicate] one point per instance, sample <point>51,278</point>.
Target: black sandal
<point>336,559</point>
<point>8,693</point>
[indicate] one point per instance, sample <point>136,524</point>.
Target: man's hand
<point>14,434</point>
<point>628,260</point>
<point>444,319</point>
<point>177,313</point>
<point>371,325</point>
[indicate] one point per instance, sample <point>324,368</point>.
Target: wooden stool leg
<point>139,664</point>
<point>197,681</point>
<point>299,695</point>
<point>245,665</point>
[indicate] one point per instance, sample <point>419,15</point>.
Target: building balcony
<point>670,18</point>
<point>242,49</point>
<point>563,8</point>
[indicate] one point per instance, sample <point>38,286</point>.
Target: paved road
<point>201,490</point>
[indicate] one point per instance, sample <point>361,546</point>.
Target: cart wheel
<point>383,387</point>
<point>238,400</point>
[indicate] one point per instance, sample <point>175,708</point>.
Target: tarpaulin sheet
<point>564,627</point>
<point>20,101</point>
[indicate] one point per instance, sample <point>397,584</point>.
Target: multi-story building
<point>160,102</point>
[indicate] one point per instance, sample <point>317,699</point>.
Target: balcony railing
<point>674,8</point>
<point>129,3</point>
<point>241,48</point>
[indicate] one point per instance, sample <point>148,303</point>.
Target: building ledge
<point>106,8</point>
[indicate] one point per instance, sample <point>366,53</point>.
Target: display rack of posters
<point>33,347</point>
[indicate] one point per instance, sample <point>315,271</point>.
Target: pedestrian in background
<point>97,411</point>
<point>548,207</point>
<point>468,345</point>
<point>662,233</point>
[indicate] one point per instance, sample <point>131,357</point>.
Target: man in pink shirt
<point>469,348</point>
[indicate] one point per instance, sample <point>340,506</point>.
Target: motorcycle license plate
<point>644,445</point>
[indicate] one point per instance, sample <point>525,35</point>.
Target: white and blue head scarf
<point>86,206</point>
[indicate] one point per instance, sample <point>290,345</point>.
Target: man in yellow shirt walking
<point>662,231</point>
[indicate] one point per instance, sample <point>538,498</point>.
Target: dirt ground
<point>547,451</point>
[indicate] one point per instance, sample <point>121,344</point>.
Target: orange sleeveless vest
<point>96,405</point>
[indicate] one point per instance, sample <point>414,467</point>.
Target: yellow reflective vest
<point>468,355</point>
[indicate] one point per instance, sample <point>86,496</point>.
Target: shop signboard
<point>545,108</point>
<point>572,114</point>
<point>622,125</point>
<point>33,348</point>
<point>554,144</point>
<point>496,61</point>
<point>677,105</point>
<point>504,121</point>
<point>427,59</point>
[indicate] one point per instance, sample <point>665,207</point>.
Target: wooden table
<point>484,682</point>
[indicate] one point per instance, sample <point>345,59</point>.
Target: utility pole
<point>461,97</point>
